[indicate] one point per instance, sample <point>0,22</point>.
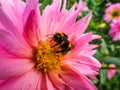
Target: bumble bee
<point>62,44</point>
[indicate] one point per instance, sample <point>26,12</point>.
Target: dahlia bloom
<point>114,31</point>
<point>111,73</point>
<point>112,12</point>
<point>28,61</point>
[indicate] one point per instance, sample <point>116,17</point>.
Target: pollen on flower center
<point>46,58</point>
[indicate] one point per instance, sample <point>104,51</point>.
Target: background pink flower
<point>115,30</point>
<point>112,12</point>
<point>23,31</point>
<point>111,73</point>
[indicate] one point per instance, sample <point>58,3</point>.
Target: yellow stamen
<point>47,59</point>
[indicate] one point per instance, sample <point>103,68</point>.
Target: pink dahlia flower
<point>47,50</point>
<point>111,73</point>
<point>112,12</point>
<point>115,30</point>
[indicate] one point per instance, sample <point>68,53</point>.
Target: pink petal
<point>76,80</point>
<point>82,68</point>
<point>1,81</point>
<point>14,67</point>
<point>111,73</point>
<point>89,49</point>
<point>77,29</point>
<point>26,81</point>
<point>13,45</point>
<point>81,25</point>
<point>96,37</point>
<point>46,83</point>
<point>81,43</point>
<point>88,60</point>
<point>30,5</point>
<point>56,19</point>
<point>69,21</point>
<point>14,10</point>
<point>11,37</point>
<point>4,54</point>
<point>9,26</point>
<point>31,28</point>
<point>43,85</point>
<point>64,6</point>
<point>86,70</point>
<point>1,26</point>
<point>114,31</point>
<point>50,18</point>
<point>49,83</point>
<point>58,83</point>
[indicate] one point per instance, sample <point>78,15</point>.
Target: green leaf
<point>112,60</point>
<point>97,2</point>
<point>104,48</point>
<point>103,76</point>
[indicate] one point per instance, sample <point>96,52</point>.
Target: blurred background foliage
<point>109,51</point>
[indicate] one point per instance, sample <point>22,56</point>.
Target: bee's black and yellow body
<point>62,41</point>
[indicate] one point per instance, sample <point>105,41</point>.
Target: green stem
<point>115,68</point>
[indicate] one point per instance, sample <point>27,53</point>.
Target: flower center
<point>116,13</point>
<point>46,58</point>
